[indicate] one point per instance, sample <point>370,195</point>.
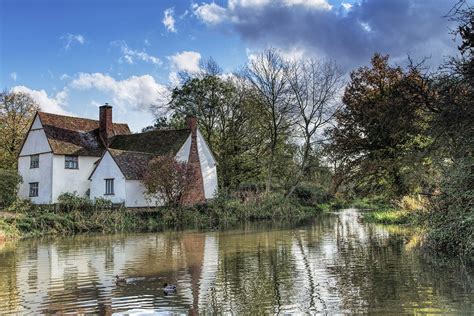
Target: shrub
<point>309,195</point>
<point>451,220</point>
<point>73,202</point>
<point>9,181</point>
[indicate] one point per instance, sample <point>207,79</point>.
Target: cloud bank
<point>350,33</point>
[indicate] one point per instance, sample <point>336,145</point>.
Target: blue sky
<point>72,56</point>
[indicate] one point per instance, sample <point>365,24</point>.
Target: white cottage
<point>104,159</point>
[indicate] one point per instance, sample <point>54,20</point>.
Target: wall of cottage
<point>42,175</point>
<point>108,169</point>
<point>36,143</point>
<point>72,180</point>
<point>136,196</point>
<point>208,167</point>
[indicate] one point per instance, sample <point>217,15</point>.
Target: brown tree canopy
<point>17,110</point>
<point>380,124</point>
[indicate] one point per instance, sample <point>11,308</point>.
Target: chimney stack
<point>192,124</point>
<point>106,127</point>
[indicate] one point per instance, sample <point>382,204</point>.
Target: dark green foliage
<point>76,215</point>
<point>310,194</point>
<point>9,181</point>
<point>451,220</point>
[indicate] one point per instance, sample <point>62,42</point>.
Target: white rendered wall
<point>70,180</point>
<point>36,141</point>
<point>208,167</point>
<point>42,175</point>
<point>183,153</point>
<point>136,197</point>
<point>108,169</point>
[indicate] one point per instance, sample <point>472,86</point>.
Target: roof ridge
<point>163,130</point>
<point>134,151</point>
<point>75,117</point>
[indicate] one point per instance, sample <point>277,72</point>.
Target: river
<point>333,263</point>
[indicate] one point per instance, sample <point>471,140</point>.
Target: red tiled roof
<point>69,135</point>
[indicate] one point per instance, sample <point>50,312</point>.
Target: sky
<point>74,55</point>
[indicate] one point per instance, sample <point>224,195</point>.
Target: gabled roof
<point>133,152</point>
<point>158,142</point>
<point>132,164</point>
<point>69,135</point>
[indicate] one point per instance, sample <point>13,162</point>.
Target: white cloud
<point>294,53</point>
<point>210,13</point>
<point>130,56</point>
<point>70,39</point>
<point>312,4</point>
<point>14,76</point>
<point>168,20</point>
<point>64,77</point>
<point>46,103</point>
<point>187,61</point>
<point>346,5</point>
<point>136,92</point>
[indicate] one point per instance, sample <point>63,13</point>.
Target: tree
<point>9,181</point>
<point>379,132</point>
<point>266,76</point>
<point>165,179</point>
<point>315,88</point>
<point>17,110</point>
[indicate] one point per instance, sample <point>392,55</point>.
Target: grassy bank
<point>75,215</point>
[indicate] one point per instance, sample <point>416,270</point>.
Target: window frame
<point>109,186</point>
<point>67,163</point>
<point>34,161</point>
<point>33,192</point>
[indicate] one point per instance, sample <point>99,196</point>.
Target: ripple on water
<point>334,264</point>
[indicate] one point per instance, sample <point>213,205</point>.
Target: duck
<point>120,280</point>
<point>169,288</point>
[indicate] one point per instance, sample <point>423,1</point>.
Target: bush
<point>9,181</point>
<point>309,195</point>
<point>451,219</point>
<point>73,202</point>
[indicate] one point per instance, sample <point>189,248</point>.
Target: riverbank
<point>75,215</point>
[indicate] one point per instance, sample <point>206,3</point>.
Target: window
<point>34,189</point>
<point>109,186</point>
<point>71,162</point>
<point>34,161</point>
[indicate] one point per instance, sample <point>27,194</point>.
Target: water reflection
<point>333,264</point>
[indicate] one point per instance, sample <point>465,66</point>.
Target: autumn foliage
<point>165,179</point>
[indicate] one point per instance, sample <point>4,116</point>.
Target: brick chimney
<point>106,127</point>
<point>194,192</point>
<point>192,124</point>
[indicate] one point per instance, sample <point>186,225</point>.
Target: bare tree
<point>266,75</point>
<point>315,89</point>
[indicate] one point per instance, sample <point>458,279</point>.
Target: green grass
<point>390,217</point>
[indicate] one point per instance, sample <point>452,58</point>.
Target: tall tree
<point>266,75</point>
<point>315,88</point>
<point>17,109</point>
<point>379,130</point>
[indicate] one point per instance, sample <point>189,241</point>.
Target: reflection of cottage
<point>103,159</point>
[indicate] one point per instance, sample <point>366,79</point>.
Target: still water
<point>332,264</point>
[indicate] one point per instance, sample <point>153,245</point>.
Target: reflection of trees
<point>255,272</point>
<point>335,264</point>
<point>375,273</point>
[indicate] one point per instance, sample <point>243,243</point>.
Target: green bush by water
<point>74,215</point>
